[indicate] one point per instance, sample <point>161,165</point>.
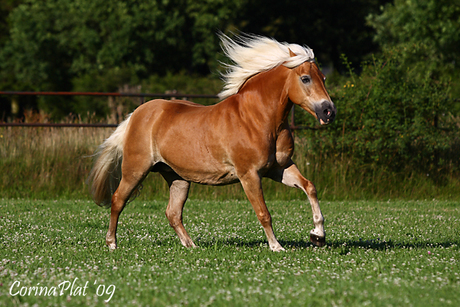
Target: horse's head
<point>306,89</point>
<point>254,54</point>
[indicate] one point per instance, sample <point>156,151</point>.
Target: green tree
<point>6,6</point>
<point>59,38</point>
<point>393,121</point>
<point>98,45</point>
<point>52,42</point>
<point>428,31</point>
<point>330,27</point>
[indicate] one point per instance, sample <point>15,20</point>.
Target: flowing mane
<point>252,54</point>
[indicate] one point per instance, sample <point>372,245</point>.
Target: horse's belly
<point>212,179</point>
<point>223,178</point>
<point>210,174</point>
<point>204,175</point>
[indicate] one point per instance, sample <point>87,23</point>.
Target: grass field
<point>393,253</point>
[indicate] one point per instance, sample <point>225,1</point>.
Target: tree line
<point>61,45</point>
<point>95,45</point>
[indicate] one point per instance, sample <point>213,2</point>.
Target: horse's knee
<point>310,189</point>
<point>265,219</point>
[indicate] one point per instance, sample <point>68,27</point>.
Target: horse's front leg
<point>291,176</point>
<point>253,188</point>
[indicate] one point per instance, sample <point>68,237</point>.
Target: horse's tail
<point>105,176</point>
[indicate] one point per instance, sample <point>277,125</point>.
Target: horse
<point>242,138</point>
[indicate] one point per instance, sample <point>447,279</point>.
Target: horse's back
<point>162,116</point>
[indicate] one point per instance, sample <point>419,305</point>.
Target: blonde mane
<point>252,54</point>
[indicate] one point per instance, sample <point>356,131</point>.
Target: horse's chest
<point>284,148</point>
<point>279,153</point>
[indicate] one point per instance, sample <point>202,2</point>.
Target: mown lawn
<point>395,253</point>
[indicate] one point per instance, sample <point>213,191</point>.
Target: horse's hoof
<point>112,246</point>
<point>277,248</point>
<point>317,240</point>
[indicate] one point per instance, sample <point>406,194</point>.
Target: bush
<point>392,120</point>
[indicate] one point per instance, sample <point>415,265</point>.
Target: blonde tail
<point>105,175</point>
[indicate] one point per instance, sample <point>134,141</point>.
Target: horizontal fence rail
<point>107,94</point>
<point>170,95</point>
<point>100,94</point>
<point>61,125</point>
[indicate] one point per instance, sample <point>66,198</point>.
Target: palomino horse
<point>241,139</point>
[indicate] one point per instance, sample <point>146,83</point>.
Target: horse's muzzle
<point>325,111</point>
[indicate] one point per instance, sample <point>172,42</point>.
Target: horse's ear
<point>291,54</point>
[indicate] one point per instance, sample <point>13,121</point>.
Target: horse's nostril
<point>325,112</point>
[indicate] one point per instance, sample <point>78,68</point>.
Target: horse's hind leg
<point>133,175</point>
<point>178,193</point>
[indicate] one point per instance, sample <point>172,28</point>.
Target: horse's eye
<point>305,79</point>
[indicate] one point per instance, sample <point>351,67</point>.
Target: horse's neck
<point>266,95</point>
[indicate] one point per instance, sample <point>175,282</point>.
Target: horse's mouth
<point>325,112</point>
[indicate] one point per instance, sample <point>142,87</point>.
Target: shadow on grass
<point>377,244</point>
<point>343,246</point>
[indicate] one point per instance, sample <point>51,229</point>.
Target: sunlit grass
<point>378,254</point>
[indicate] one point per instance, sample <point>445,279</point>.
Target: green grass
<point>398,253</point>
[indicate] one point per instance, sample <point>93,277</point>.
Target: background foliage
<point>430,25</point>
<point>53,45</point>
<point>392,71</point>
<point>391,119</point>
